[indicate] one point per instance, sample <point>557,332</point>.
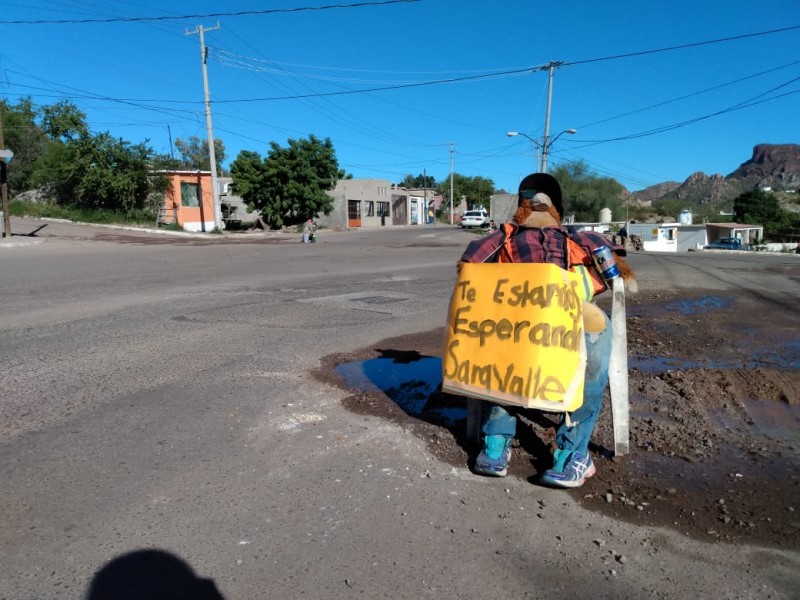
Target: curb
<point>12,243</point>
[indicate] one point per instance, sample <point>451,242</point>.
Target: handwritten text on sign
<point>515,336</point>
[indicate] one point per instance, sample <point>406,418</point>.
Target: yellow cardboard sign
<point>515,336</point>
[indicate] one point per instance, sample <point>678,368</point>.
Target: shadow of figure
<point>151,575</point>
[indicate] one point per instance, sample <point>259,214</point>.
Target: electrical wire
<point>240,13</point>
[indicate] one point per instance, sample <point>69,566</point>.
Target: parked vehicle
<point>475,218</point>
<point>727,243</point>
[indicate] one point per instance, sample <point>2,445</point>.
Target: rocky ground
<point>715,420</point>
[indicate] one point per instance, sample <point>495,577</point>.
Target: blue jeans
<point>573,433</point>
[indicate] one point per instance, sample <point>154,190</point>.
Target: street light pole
<point>544,146</point>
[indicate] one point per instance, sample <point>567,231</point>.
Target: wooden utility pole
<point>4,182</point>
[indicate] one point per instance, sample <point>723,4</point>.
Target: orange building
<point>189,200</point>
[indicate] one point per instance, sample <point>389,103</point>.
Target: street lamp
<point>544,145</point>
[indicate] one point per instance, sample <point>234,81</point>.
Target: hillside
<point>771,165</point>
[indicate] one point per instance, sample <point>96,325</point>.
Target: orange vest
<point>580,261</point>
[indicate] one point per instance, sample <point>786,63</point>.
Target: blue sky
<point>652,73</point>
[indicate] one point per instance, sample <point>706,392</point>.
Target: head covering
<point>541,183</point>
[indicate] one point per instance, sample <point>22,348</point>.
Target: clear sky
<point>656,90</point>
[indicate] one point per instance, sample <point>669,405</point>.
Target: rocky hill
<point>777,166</point>
<point>772,165</point>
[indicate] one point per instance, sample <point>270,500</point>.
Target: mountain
<point>776,166</point>
<point>771,165</point>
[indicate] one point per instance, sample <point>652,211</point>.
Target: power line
<point>205,15</point>
<point>338,114</point>
<point>491,75</point>
<point>685,96</point>
<point>745,104</point>
<point>84,95</point>
<point>680,47</point>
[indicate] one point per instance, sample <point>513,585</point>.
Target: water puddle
<point>409,383</point>
<point>780,356</point>
<point>695,306</point>
<point>660,364</point>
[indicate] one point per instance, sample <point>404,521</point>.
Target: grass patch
<point>23,208</point>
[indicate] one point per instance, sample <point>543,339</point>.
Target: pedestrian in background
<point>308,231</point>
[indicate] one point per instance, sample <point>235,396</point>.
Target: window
<point>369,208</point>
<point>190,194</point>
<point>383,209</point>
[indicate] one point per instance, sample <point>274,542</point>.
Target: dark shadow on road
<point>32,233</point>
<point>151,574</point>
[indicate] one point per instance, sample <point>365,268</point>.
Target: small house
<point>188,200</point>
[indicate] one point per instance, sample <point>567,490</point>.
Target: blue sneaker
<point>571,469</point>
<point>493,459</point>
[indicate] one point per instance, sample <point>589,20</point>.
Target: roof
<point>734,226</point>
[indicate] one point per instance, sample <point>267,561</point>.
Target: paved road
<point>156,395</point>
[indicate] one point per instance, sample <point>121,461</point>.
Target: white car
<point>475,218</point>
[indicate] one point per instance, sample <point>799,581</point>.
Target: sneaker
<point>571,469</point>
<point>493,459</point>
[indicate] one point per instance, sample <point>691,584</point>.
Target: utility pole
<point>212,157</point>
<point>425,195</point>
<point>546,139</point>
<point>451,183</point>
<point>4,182</point>
<point>171,151</point>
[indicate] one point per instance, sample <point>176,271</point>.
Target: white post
<point>618,369</point>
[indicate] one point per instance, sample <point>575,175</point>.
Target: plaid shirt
<point>535,245</point>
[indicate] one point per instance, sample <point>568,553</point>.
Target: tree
<point>585,194</point>
<point>419,182</point>
<point>64,121</point>
<point>194,154</point>
<point>41,139</point>
<point>165,162</point>
<point>98,171</point>
<point>477,190</point>
<point>757,207</point>
<point>23,136</point>
<point>54,150</point>
<point>289,185</point>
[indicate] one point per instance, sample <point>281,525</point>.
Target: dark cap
<point>541,182</point>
